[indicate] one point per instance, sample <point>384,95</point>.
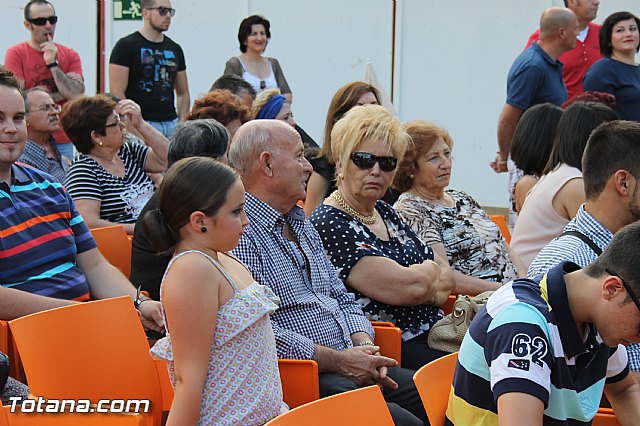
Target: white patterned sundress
<point>243,383</point>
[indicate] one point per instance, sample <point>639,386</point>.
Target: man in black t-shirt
<point>148,66</point>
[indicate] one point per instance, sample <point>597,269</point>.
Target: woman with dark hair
<point>531,146</point>
<point>261,72</point>
<point>220,348</point>
<point>618,72</point>
<point>108,180</point>
<point>196,138</point>
<point>449,220</point>
<point>559,193</point>
<point>323,181</point>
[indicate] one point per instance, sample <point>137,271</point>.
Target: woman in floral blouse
<point>379,258</point>
<point>449,220</point>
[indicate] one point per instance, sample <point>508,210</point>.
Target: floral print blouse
<point>473,243</point>
<point>346,241</point>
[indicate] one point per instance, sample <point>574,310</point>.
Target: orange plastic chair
<point>300,383</point>
<point>433,382</point>
<point>501,221</point>
<point>447,308</point>
<point>95,350</point>
<point>166,388</point>
<point>605,417</point>
<point>115,246</point>
<point>390,341</point>
<point>382,324</point>
<point>360,407</point>
<point>65,419</point>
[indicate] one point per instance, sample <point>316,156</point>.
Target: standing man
<point>587,51</point>
<point>41,62</point>
<point>42,122</point>
<point>536,76</point>
<point>147,66</point>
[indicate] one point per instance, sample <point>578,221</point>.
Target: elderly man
<point>42,120</point>
<point>41,62</point>
<point>536,76</point>
<point>317,318</point>
<point>587,51</point>
<point>48,257</point>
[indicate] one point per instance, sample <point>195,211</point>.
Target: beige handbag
<point>446,335</point>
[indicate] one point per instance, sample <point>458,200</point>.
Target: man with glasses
<point>39,62</point>
<point>147,67</point>
<point>544,350</point>
<point>43,121</point>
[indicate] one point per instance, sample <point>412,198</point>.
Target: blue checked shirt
<point>568,247</point>
<point>315,308</point>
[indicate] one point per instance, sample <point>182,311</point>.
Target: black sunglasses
<point>630,292</point>
<point>164,10</point>
<point>365,160</point>
<point>115,123</point>
<point>41,21</point>
<point>263,84</point>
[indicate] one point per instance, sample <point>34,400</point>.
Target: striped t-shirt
<point>526,340</point>
<point>40,235</point>
<point>121,199</point>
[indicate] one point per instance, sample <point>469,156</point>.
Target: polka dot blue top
<point>346,241</point>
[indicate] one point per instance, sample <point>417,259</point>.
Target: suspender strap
<point>597,250</point>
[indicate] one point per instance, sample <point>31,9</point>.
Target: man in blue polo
<point>543,350</point>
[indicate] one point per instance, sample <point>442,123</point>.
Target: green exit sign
<point>129,10</point>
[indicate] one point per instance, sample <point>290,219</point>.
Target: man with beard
<point>42,121</point>
<point>39,62</point>
<point>147,66</point>
<point>611,176</point>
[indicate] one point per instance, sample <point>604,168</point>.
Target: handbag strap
<point>597,250</point>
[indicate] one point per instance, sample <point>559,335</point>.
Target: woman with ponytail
<point>219,345</point>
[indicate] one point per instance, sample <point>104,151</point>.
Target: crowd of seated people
<point>225,223</point>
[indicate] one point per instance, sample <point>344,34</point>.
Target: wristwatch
<point>139,298</point>
<point>52,64</point>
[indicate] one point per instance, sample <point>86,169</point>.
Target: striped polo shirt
<point>40,234</point>
<point>527,341</point>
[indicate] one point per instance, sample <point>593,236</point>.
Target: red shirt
<point>28,65</point>
<point>577,60</point>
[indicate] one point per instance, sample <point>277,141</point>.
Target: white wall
<point>451,58</point>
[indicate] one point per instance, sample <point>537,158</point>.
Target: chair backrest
<point>434,385</point>
<point>95,350</point>
<point>115,246</point>
<point>300,383</point>
<point>501,221</point>
<point>447,308</point>
<point>605,417</point>
<point>65,419</point>
<point>390,341</point>
<point>360,407</point>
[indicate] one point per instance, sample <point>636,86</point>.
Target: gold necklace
<point>367,220</point>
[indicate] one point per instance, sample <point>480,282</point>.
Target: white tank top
<point>258,83</point>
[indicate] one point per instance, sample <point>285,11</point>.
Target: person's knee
<point>331,384</point>
<point>403,417</point>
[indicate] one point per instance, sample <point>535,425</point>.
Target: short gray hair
<point>249,142</point>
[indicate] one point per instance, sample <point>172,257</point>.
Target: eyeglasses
<point>630,292</point>
<point>164,10</point>
<point>365,160</point>
<point>49,108</point>
<point>41,21</point>
<point>115,123</point>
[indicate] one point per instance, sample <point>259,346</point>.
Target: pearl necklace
<point>367,220</point>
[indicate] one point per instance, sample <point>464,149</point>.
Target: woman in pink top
<point>559,193</point>
<point>219,345</point>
